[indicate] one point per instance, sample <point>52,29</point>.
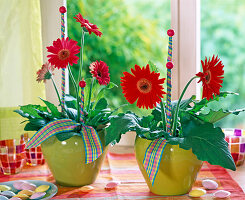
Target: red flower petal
<point>211,77</point>
<point>142,86</point>
<point>100,71</point>
<point>63,52</point>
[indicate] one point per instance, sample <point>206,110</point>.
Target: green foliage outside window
<point>134,32</point>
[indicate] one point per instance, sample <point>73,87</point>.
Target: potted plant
<point>72,136</point>
<point>177,136</point>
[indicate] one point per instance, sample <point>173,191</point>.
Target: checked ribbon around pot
<point>153,156</point>
<point>92,144</point>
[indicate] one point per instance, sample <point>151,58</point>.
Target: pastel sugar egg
<point>222,194</point>
<point>4,188</point>
<point>197,192</point>
<point>86,189</point>
<point>8,194</point>
<point>27,192</point>
<point>18,184</point>
<point>209,184</point>
<point>15,198</point>
<point>3,197</point>
<point>111,185</point>
<point>42,188</point>
<point>28,186</point>
<point>38,195</point>
<point>22,196</point>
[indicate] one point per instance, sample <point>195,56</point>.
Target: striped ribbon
<point>92,144</point>
<point>82,106</point>
<point>63,69</point>
<point>153,156</point>
<point>169,87</point>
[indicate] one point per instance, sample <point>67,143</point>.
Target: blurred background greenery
<point>134,32</point>
<point>222,33</point>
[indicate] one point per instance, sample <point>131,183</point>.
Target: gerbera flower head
<point>63,52</point>
<point>142,86</point>
<point>100,71</point>
<point>45,72</point>
<point>211,77</point>
<point>91,28</point>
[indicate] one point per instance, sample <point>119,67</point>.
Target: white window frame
<point>185,20</point>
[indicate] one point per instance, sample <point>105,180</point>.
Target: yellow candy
<point>26,192</point>
<point>197,192</point>
<point>22,196</point>
<point>4,188</point>
<point>42,188</point>
<point>86,188</point>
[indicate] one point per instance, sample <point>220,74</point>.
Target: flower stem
<point>55,87</point>
<point>90,94</point>
<point>81,59</point>
<point>76,88</point>
<point>178,105</point>
<point>163,115</point>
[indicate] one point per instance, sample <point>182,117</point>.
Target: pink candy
<point>38,195</point>
<point>209,184</point>
<point>222,194</point>
<point>18,185</point>
<point>111,185</point>
<point>28,186</point>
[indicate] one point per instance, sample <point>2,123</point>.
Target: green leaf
<point>31,110</point>
<point>72,113</point>
<point>198,105</point>
<point>35,124</point>
<point>70,101</point>
<point>153,67</point>
<point>119,125</point>
<point>101,104</point>
<point>54,110</point>
<point>21,113</point>
<point>207,143</point>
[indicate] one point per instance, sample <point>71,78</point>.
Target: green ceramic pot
<point>66,160</point>
<point>177,171</point>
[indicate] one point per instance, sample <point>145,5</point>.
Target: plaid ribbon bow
<point>92,144</point>
<point>153,156</point>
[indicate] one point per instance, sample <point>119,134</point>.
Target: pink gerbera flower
<point>91,28</point>
<point>45,72</point>
<point>100,71</point>
<point>63,52</point>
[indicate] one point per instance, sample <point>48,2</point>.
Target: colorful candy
<point>8,194</point>
<point>28,186</point>
<point>42,188</point>
<point>22,196</point>
<point>26,192</point>
<point>86,189</point>
<point>111,185</point>
<point>3,198</point>
<point>4,188</point>
<point>197,192</point>
<point>38,195</point>
<point>15,198</point>
<point>18,184</point>
<point>209,184</point>
<point>222,194</point>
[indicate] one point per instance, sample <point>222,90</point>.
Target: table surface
<point>238,175</point>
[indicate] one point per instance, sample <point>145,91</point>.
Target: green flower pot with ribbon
<point>66,160</point>
<point>74,151</point>
<point>173,174</point>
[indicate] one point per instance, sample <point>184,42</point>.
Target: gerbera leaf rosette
<point>86,114</point>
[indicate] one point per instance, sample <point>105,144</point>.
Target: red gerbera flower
<point>88,26</point>
<point>45,72</point>
<point>100,71</point>
<point>211,77</point>
<point>63,53</point>
<point>142,86</point>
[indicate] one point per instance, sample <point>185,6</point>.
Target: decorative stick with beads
<point>169,66</point>
<point>62,11</point>
<point>82,85</point>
